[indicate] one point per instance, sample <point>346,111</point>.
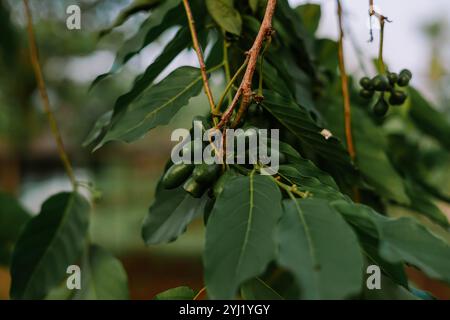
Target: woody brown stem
<point>34,56</point>
<point>345,91</point>
<point>245,88</point>
<point>201,60</point>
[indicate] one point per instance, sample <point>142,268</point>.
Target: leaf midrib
<point>312,251</point>
<point>249,221</point>
<point>150,114</point>
<point>63,220</point>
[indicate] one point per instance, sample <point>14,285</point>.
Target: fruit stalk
<point>381,65</point>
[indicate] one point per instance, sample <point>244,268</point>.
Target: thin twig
<point>230,85</point>
<point>381,65</point>
<point>200,293</point>
<point>245,88</point>
<point>380,17</point>
<point>201,60</point>
<point>34,56</point>
<point>345,92</point>
<point>226,66</point>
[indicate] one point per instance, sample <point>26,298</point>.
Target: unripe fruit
<point>366,94</point>
<point>397,98</point>
<point>205,173</point>
<point>381,107</point>
<point>393,78</point>
<point>406,72</point>
<point>380,83</point>
<point>403,80</point>
<point>194,188</point>
<point>176,175</point>
<point>366,83</point>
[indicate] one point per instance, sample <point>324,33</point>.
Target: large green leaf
<point>135,7</point>
<point>293,32</point>
<point>226,16</point>
<point>421,202</point>
<point>299,122</point>
<point>178,293</point>
<point>389,291</point>
<point>307,181</point>
<point>322,251</point>
<point>372,160</point>
<point>172,49</point>
<point>156,106</point>
<point>240,234</point>
<point>253,4</point>
<point>428,119</point>
<point>371,157</point>
<point>310,14</point>
<point>162,18</point>
<point>50,242</point>
<point>102,277</point>
<point>143,81</point>
<point>100,125</point>
<point>12,219</point>
<point>257,289</point>
<point>401,240</point>
<point>170,214</point>
<point>305,167</point>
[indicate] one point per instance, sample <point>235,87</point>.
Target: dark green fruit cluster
<point>386,84</point>
<point>196,179</point>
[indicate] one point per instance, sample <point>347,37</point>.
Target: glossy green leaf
<point>135,7</point>
<point>295,34</point>
<point>257,289</point>
<point>401,240</point>
<point>321,249</point>
<point>327,54</point>
<point>310,14</point>
<point>389,291</point>
<point>162,18</point>
<point>103,277</point>
<point>170,214</point>
<point>428,119</point>
<point>240,235</point>
<point>421,202</point>
<point>306,167</point>
<point>307,181</point>
<point>253,4</point>
<point>371,157</point>
<point>50,243</point>
<point>146,79</point>
<point>178,293</point>
<point>298,122</point>
<point>5,254</point>
<point>226,16</point>
<point>156,106</point>
<point>100,125</point>
<point>12,218</point>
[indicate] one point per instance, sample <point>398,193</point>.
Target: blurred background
<point>126,175</point>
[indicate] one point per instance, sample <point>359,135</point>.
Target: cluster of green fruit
<point>386,84</point>
<point>196,179</point>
